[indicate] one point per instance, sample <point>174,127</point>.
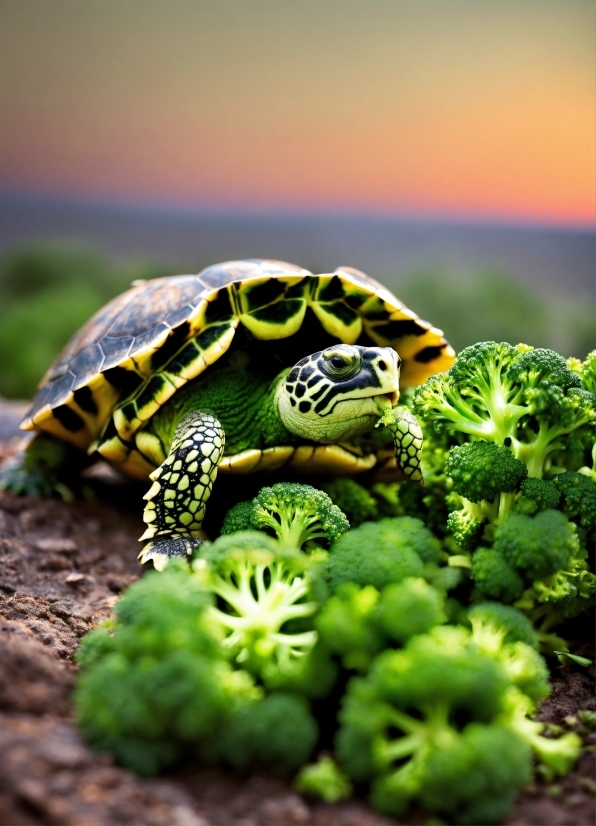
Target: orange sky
<point>441,107</point>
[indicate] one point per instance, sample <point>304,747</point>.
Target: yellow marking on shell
<point>259,327</point>
<point>243,462</point>
<point>324,311</point>
<point>48,423</point>
<point>269,459</point>
<point>113,450</point>
<point>142,358</point>
<point>150,446</point>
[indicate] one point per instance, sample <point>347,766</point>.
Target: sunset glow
<point>454,109</point>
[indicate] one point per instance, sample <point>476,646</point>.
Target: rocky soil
<point>62,567</point>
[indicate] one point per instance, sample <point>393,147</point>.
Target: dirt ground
<point>62,567</point>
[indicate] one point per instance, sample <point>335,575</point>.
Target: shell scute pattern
<point>138,350</point>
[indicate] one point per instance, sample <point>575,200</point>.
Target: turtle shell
<point>133,354</point>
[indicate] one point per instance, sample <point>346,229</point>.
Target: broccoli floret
<point>494,624</point>
<point>586,371</point>
<point>494,576</point>
<point>157,684</point>
<point>348,625</point>
<point>579,497</point>
<point>358,623</point>
<point>238,518</point>
<point>278,732</point>
<point>538,545</point>
<point>262,592</point>
<point>506,634</point>
<point>481,470</point>
<point>526,399</point>
<point>466,522</point>
<point>378,553</point>
<point>418,727</point>
<point>409,608</point>
<point>537,495</point>
<point>298,515</point>
<point>323,780</point>
<point>353,499</point>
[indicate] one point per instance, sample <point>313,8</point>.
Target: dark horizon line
<point>190,212</point>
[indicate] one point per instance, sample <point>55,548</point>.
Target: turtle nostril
<point>383,366</point>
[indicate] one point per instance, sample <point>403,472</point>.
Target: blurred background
<point>446,148</point>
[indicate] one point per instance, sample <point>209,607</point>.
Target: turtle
<point>248,366</point>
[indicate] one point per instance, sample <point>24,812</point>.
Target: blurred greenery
<point>489,305</point>
<point>48,291</point>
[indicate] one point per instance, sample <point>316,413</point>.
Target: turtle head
<point>338,392</point>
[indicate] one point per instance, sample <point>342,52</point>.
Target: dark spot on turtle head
<point>68,418</point>
<point>293,375</point>
<point>292,401</point>
<point>304,407</point>
<point>306,372</point>
<point>300,390</point>
<point>84,398</point>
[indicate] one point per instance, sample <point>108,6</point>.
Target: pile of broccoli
<point>378,636</point>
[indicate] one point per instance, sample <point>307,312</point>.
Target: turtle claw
<point>162,549</point>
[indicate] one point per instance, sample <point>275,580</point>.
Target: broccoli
<point>506,634</point>
<point>482,470</point>
<point>348,625</point>
<point>579,497</point>
<point>262,590</point>
<point>486,476</point>
<point>409,608</point>
<point>537,546</point>
<point>586,371</point>
<point>278,732</point>
<point>526,399</point>
<point>378,553</point>
<point>155,684</point>
<point>323,780</point>
<point>537,495</point>
<point>238,518</point>
<point>424,721</point>
<point>357,623</point>
<point>466,523</point>
<point>539,562</point>
<point>494,576</point>
<point>298,515</point>
<point>353,499</point>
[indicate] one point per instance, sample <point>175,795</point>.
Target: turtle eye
<point>341,364</point>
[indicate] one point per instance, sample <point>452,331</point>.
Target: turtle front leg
<point>181,487</point>
<point>407,438</point>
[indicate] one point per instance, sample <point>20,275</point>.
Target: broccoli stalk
<point>261,588</point>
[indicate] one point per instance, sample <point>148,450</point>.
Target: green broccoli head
<point>409,608</point>
<point>481,470</point>
<point>353,499</point>
<point>494,624</point>
<point>157,684</point>
<point>348,625</point>
<point>263,612</point>
<point>586,371</point>
<point>537,495</point>
<point>494,577</point>
<point>526,399</point>
<point>278,732</point>
<point>377,553</point>
<point>238,518</point>
<point>298,514</point>
<point>537,546</point>
<point>409,727</point>
<point>323,780</point>
<point>579,497</point>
